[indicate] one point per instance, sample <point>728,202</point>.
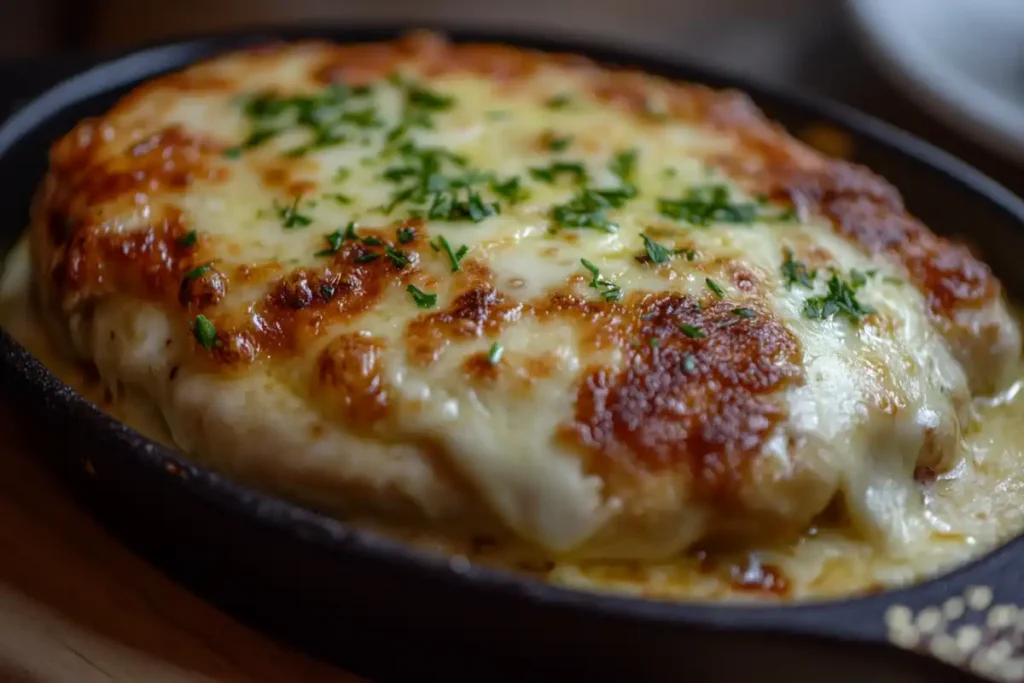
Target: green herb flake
<point>796,272</point>
<point>623,165</point>
<point>367,257</point>
<point>399,258</point>
<point>714,287</point>
<point>188,239</point>
<point>204,332</point>
<point>510,190</point>
<point>454,257</point>
<point>589,207</point>
<point>290,215</point>
<point>422,98</point>
<point>691,331</point>
<point>406,235</point>
<point>654,342</point>
<point>656,252</point>
<point>742,312</point>
<point>840,299</point>
<point>232,153</point>
<point>609,290</point>
<point>495,353</point>
<point>550,174</point>
<point>350,232</point>
<point>327,292</point>
<point>702,206</point>
<point>334,242</point>
<point>197,272</point>
<point>339,198</point>
<point>421,298</point>
<point>560,101</point>
<point>555,143</point>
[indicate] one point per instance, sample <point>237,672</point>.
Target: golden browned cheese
<point>477,289</point>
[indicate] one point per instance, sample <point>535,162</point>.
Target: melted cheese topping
<point>477,292</point>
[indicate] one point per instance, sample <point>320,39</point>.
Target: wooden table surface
<point>77,607</point>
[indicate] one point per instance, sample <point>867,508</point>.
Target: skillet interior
<point>315,581</point>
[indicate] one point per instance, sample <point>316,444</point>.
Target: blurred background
<point>753,36</point>
<point>951,71</point>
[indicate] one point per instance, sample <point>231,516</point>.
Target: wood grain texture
<point>77,607</point>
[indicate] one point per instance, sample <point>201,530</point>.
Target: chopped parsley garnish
<point>448,206</point>
<point>232,153</point>
<point>350,231</point>
<point>397,257</point>
<point>197,272</point>
<point>702,206</point>
<point>742,312</point>
<point>363,118</point>
<point>623,165</point>
<point>342,174</point>
<point>188,239</point>
<point>556,143</point>
<point>510,190</point>
<point>840,299</point>
<point>714,287</point>
<point>421,98</point>
<point>339,198</point>
<point>204,332</point>
<point>550,174</point>
<point>421,298</point>
<point>654,342</point>
<point>495,354</point>
<point>795,272</point>
<point>455,257</point>
<point>327,292</point>
<point>609,290</point>
<point>323,115</point>
<point>437,183</point>
<point>691,331</point>
<point>334,242</point>
<point>558,101</point>
<point>406,235</point>
<point>290,215</point>
<point>656,252</point>
<point>420,104</point>
<point>588,209</point>
<point>372,241</point>
<point>367,257</point>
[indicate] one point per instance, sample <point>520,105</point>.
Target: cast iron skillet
<point>384,610</point>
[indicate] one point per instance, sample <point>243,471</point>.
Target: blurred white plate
<point>962,59</point>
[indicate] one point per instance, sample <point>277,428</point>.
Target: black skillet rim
<point>131,66</point>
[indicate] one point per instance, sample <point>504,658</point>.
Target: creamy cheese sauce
<point>970,510</point>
